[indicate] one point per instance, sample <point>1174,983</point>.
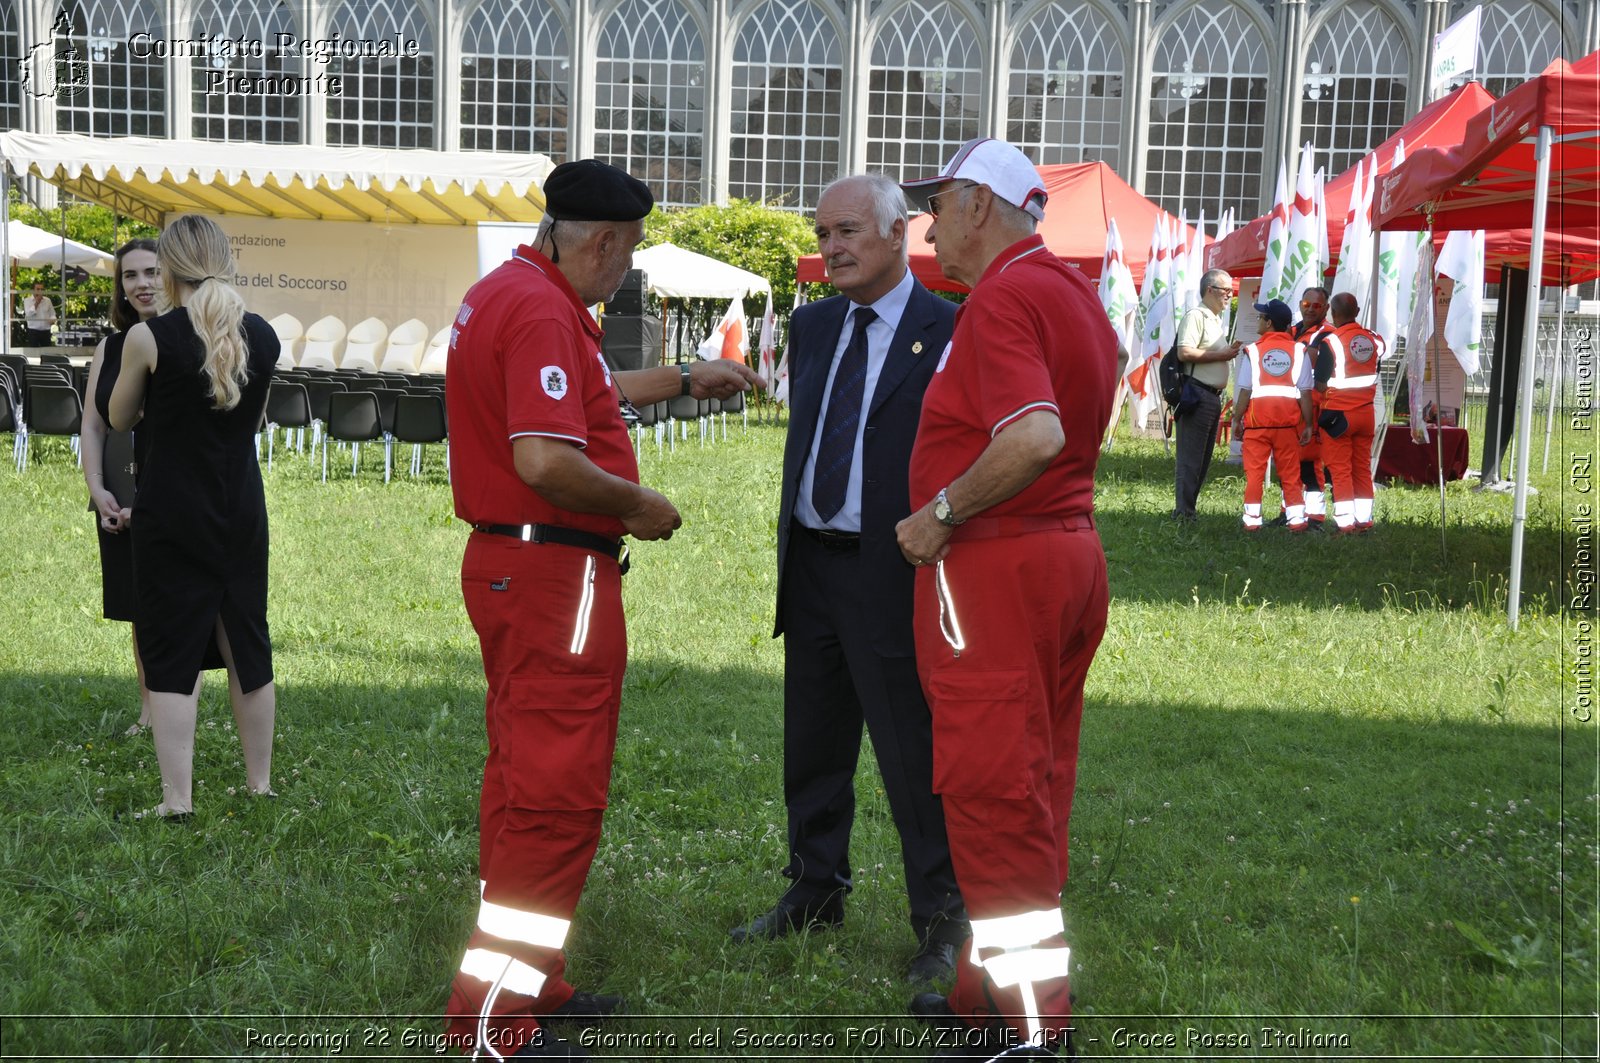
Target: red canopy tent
<point>1487,181</point>
<point>1533,155</point>
<point>1084,197</point>
<point>1443,121</point>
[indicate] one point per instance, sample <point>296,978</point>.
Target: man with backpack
<point>1201,346</point>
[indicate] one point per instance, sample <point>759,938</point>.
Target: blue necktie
<point>836,452</point>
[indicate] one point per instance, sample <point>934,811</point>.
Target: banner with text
<point>352,270</point>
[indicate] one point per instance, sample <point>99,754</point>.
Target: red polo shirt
<point>1032,336</point>
<point>525,360</point>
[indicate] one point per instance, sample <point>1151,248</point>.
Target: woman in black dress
<point>106,456</point>
<point>200,374</point>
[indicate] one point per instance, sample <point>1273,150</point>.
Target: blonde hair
<point>194,250</point>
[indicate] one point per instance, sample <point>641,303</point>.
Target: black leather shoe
<point>935,961</point>
<point>584,1008</point>
<point>788,916</point>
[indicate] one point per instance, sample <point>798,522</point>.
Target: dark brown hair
<point>123,315</point>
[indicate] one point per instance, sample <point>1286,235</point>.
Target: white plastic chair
<point>364,344</point>
<point>406,344</point>
<point>290,333</point>
<point>438,352</point>
<point>323,345</point>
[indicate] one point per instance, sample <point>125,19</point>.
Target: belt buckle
<point>527,533</point>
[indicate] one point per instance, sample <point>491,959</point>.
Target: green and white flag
<point>1461,260</point>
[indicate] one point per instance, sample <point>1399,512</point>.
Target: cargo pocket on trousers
<point>562,734</point>
<point>980,725</point>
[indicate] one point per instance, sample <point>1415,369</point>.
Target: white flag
<point>1418,334</point>
<point>1355,246</point>
<point>1151,292</point>
<point>1116,289</point>
<point>769,342</point>
<point>1392,307</point>
<point>1300,267</point>
<point>727,339</point>
<point>778,386</point>
<point>1277,237</point>
<point>1461,260</point>
<point>1197,264</point>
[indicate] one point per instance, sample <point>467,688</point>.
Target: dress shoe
<point>584,1008</point>
<point>1279,521</point>
<point>788,916</point>
<point>935,961</point>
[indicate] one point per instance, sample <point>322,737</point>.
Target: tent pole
<point>1524,463</point>
<point>1555,371</point>
<point>1438,402</point>
<point>5,254</point>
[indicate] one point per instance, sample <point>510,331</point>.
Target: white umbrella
<point>33,247</point>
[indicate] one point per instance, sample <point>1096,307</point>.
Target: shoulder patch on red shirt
<point>553,379</point>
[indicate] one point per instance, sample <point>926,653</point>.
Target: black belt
<point>593,542</point>
<point>1215,391</point>
<point>831,540</point>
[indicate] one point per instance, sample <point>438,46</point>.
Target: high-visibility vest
<point>1356,352</point>
<point>1276,363</point>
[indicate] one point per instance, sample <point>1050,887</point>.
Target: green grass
<point>1322,786</point>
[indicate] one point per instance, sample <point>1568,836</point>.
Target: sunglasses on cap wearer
<point>933,206</point>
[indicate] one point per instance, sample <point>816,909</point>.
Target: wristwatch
<point>942,511</point>
<point>688,381</point>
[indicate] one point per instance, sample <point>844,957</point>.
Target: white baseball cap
<point>987,161</point>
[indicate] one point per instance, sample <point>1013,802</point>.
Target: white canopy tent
<point>150,179</point>
<point>33,247</point>
<point>673,272</point>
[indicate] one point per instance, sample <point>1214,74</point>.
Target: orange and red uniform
<point>1277,372</point>
<point>1352,390</point>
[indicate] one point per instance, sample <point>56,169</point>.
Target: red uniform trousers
<point>549,619</point>
<point>1283,446</point>
<point>1028,611</point>
<point>1349,460</point>
<point>1313,462</point>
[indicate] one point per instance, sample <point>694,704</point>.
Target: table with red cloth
<point>1418,463</point>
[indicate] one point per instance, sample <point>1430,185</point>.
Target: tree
<point>755,237</point>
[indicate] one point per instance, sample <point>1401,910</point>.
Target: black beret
<point>590,190</point>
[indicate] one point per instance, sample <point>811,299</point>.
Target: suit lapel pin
<point>916,348</point>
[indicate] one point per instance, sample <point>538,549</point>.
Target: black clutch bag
<point>120,468</point>
<point>1333,422</point>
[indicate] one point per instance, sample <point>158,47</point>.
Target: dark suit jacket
<point>891,428</point>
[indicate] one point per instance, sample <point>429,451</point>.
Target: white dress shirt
<point>880,334</point>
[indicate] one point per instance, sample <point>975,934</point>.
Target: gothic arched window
<point>385,100</point>
<point>114,91</point>
<point>923,89</point>
<point>1065,100</point>
<point>270,113</point>
<point>516,73</point>
<point>650,98</point>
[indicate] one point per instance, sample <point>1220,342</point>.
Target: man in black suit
<point>859,363</point>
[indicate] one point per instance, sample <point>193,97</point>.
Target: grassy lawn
<point>1329,805</point>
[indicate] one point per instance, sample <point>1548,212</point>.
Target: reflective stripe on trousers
<point>1023,959</point>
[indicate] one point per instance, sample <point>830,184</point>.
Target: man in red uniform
<point>1311,327</point>
<point>543,469</point>
<point>1011,593</point>
<point>1272,407</point>
<point>1346,374</point>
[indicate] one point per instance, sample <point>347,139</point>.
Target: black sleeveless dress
<point>122,454</point>
<point>200,519</point>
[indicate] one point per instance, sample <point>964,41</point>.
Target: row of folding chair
<point>45,400</point>
<point>368,346</point>
<point>671,418</point>
<point>336,413</point>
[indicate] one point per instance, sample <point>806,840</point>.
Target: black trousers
<point>39,337</point>
<point>1197,437</point>
<point>833,683</point>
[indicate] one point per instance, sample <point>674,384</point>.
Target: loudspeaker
<point>630,297</point>
<point>631,341</point>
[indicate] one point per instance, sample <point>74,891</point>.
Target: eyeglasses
<point>1311,305</point>
<point>933,207</point>
<point>1219,288</point>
